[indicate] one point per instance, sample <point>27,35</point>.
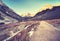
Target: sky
<point>28,6</point>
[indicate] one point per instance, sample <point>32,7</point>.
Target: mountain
<point>48,14</point>
<point>46,32</point>
<point>7,15</point>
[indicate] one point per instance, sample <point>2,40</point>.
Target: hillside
<point>37,31</point>
<point>7,15</point>
<point>48,14</point>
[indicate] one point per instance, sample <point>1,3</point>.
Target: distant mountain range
<point>48,14</point>
<point>7,15</point>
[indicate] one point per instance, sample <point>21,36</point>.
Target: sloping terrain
<point>15,27</point>
<point>48,14</point>
<point>44,31</point>
<point>7,15</point>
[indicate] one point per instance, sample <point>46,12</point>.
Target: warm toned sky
<point>28,6</point>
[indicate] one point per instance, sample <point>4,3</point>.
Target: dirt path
<point>45,32</point>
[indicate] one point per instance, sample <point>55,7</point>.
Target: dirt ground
<point>45,32</point>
